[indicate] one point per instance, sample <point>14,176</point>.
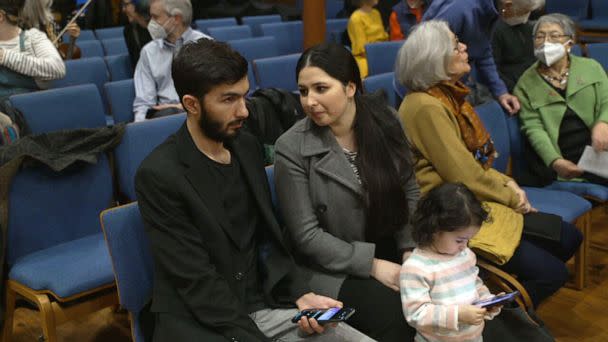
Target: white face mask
<point>522,19</point>
<point>158,31</point>
<point>549,53</point>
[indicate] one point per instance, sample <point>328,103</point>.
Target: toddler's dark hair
<point>448,207</point>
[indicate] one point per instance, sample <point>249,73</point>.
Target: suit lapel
<point>200,176</point>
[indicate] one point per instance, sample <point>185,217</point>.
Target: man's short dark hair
<point>204,64</point>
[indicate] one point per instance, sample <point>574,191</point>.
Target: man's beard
<point>216,130</point>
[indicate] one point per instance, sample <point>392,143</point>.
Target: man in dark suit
<point>222,266</point>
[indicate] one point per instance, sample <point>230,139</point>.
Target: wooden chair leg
<point>580,258</point>
<point>9,314</point>
<point>47,318</point>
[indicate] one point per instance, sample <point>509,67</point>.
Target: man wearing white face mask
<point>169,27</point>
<point>564,105</point>
<point>512,43</point>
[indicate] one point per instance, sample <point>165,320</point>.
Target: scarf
<point>474,134</point>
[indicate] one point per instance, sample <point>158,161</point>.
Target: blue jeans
<point>540,264</point>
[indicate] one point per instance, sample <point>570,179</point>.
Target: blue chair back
<point>226,33</point>
<point>332,8</point>
<point>115,46</point>
<point>82,71</point>
<point>204,24</point>
<point>273,191</point>
<point>256,48</point>
<point>120,95</point>
<point>132,261</point>
<point>139,139</point>
<point>599,52</point>
<point>91,48</point>
<point>518,163</point>
<point>493,119</point>
<point>277,72</point>
<point>384,82</point>
<point>334,29</point>
<point>84,36</point>
<point>60,109</point>
<point>110,32</point>
<point>381,56</point>
<point>576,50</point>
<point>253,85</point>
<point>255,21</point>
<point>575,9</point>
<point>119,67</point>
<point>47,208</point>
<point>289,36</point>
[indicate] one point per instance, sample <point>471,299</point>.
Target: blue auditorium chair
<point>120,96</point>
<point>255,21</point>
<point>109,32</point>
<point>277,72</point>
<point>570,207</point>
<point>60,109</point>
<point>384,82</point>
<point>576,9</point>
<point>332,8</point>
<point>132,261</point>
<point>599,52</point>
<point>598,20</point>
<point>381,56</point>
<point>139,139</point>
<point>56,256</point>
<point>204,24</point>
<point>577,50</point>
<point>226,33</point>
<point>334,28</point>
<point>84,70</point>
<point>115,46</point>
<point>119,67</point>
<point>256,48</point>
<point>289,35</point>
<point>90,48</point>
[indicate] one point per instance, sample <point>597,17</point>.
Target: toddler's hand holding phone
<point>471,314</point>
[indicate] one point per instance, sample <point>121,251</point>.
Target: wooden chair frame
<point>55,310</point>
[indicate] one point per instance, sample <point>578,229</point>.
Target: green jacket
<point>542,108</point>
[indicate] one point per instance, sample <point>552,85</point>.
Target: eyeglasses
<point>553,37</point>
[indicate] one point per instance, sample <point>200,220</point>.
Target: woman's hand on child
<point>386,272</point>
<point>471,314</point>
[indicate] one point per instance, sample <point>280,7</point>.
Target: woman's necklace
<point>560,79</point>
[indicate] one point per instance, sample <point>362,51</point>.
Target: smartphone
<point>497,300</point>
<point>325,315</point>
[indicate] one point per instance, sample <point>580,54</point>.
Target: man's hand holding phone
<point>314,301</point>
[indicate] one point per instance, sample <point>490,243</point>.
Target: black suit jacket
<point>197,269</point>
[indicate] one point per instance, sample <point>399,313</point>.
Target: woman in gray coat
<point>346,188</point>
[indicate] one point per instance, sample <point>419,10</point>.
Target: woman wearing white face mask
<point>564,104</point>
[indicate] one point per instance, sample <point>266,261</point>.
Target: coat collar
<point>320,141</point>
<point>210,191</point>
<point>542,94</point>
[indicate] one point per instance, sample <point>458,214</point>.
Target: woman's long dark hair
<point>383,152</point>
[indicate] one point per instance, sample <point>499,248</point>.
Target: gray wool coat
<point>322,204</point>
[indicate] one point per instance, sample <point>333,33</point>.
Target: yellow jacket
<point>442,156</point>
<point>364,28</point>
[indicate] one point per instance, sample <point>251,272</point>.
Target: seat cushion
<point>565,204</point>
<point>597,191</point>
<point>66,269</point>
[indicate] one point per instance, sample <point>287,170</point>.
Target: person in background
<point>404,16</point>
<point>564,104</point>
<point>473,22</point>
<point>346,206</point>
<point>513,46</point>
<point>440,281</point>
<point>169,28</point>
<point>452,145</point>
<point>136,30</point>
<point>364,27</point>
<point>38,14</point>
<point>28,59</point>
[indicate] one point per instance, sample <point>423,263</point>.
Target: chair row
<point>104,47</point>
<point>590,15</point>
<point>100,34</point>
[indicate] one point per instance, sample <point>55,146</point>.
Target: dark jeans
<point>540,264</point>
<point>378,310</point>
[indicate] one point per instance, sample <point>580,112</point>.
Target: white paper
<point>594,162</point>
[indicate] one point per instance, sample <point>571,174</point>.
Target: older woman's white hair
<point>559,19</point>
<point>423,59</point>
<point>181,7</point>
